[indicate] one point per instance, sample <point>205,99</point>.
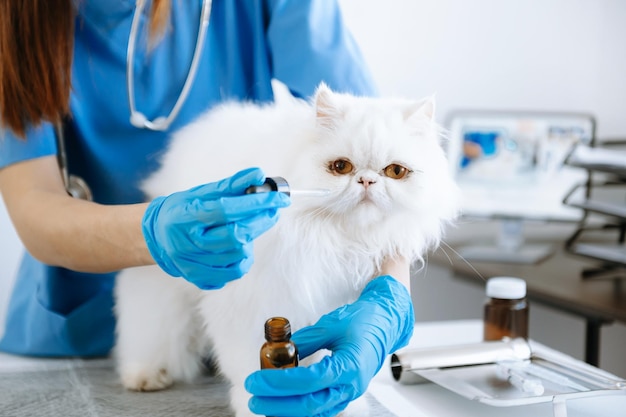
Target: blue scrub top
<point>58,312</point>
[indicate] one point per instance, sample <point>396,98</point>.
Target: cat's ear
<point>422,109</point>
<point>326,109</point>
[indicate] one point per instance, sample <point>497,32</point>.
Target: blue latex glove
<point>360,336</point>
<point>205,234</point>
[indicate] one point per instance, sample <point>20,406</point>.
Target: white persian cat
<point>390,195</point>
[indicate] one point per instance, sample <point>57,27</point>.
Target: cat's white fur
<point>321,252</point>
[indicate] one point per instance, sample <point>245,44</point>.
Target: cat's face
<point>380,158</point>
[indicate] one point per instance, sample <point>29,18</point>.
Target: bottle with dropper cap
<point>278,351</point>
<point>506,309</point>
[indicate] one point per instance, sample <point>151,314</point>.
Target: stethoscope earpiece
<point>140,121</point>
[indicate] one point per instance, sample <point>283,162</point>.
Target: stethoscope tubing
<point>162,123</point>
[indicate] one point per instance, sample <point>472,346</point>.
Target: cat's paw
<point>145,379</point>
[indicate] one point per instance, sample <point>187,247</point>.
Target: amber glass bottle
<point>506,309</point>
<point>278,351</point>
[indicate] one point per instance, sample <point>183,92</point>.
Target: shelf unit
<point>601,235</point>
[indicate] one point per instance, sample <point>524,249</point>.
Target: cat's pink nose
<point>366,182</point>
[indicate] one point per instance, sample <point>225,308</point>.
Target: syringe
<point>542,373</point>
<point>519,379</point>
<point>281,185</point>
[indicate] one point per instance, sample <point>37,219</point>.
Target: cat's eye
<point>341,166</point>
<point>395,171</point>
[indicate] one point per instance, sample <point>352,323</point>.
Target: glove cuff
<point>147,227</point>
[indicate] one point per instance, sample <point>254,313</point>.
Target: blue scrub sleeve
<point>308,42</point>
<point>39,142</point>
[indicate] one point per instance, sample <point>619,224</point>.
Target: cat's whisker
<point>460,257</point>
<point>444,252</point>
<point>315,213</point>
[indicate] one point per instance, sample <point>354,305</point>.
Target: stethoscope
<point>76,186</point>
<point>161,123</point>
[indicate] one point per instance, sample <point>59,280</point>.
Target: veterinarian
<point>97,87</point>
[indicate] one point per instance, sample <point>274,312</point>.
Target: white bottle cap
<point>508,288</point>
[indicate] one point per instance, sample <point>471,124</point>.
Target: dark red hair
<point>36,47</point>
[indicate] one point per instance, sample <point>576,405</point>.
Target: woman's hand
<point>205,234</point>
<point>360,336</point>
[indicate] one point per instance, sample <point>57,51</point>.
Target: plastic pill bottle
<point>278,351</point>
<point>506,309</point>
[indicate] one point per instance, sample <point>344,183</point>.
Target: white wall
<point>531,54</point>
<point>558,55</point>
<point>10,252</point>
